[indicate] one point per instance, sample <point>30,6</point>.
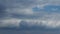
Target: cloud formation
<point>30,24</point>
<point>42,13</point>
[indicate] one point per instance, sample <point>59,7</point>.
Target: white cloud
<point>51,23</point>
<point>9,22</point>
<point>26,11</point>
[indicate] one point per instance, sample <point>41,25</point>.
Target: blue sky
<point>30,14</point>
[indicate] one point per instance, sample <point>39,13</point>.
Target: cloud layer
<point>37,13</point>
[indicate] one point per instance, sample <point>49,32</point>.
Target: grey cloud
<point>23,9</point>
<point>17,7</point>
<point>27,24</point>
<point>3,13</point>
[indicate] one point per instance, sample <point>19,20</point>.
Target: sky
<point>42,15</point>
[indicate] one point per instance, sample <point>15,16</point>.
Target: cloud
<point>24,7</point>
<point>30,24</point>
<point>14,13</point>
<point>2,10</point>
<point>9,22</point>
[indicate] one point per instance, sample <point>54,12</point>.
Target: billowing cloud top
<point>30,14</point>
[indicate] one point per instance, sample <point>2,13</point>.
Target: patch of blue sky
<point>47,8</point>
